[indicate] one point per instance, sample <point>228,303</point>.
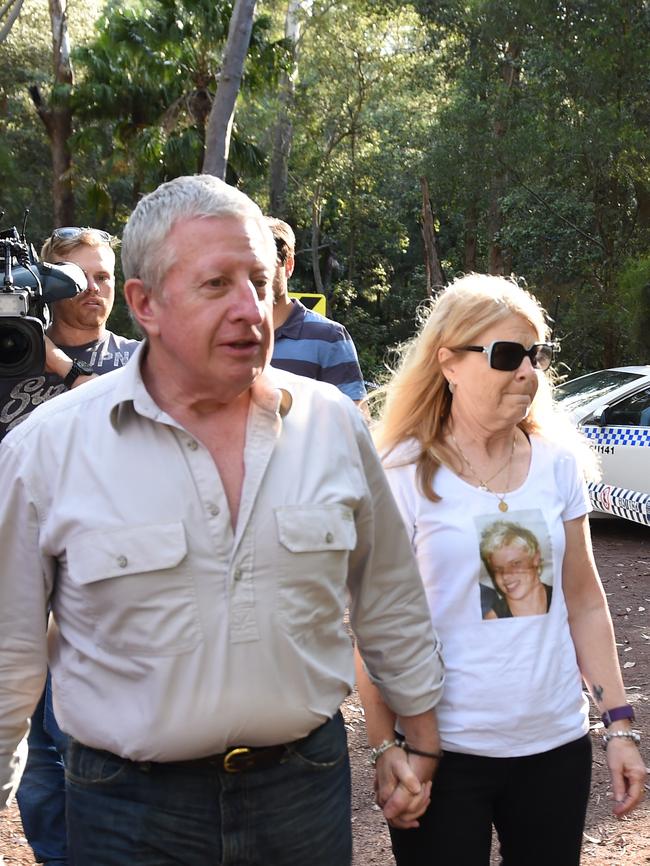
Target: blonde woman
<point>469,437</point>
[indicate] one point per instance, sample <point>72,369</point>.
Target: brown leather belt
<point>241,759</point>
<point>238,759</point>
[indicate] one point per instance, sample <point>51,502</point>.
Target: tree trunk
<point>62,193</point>
<point>9,12</point>
<point>495,223</point>
<point>643,203</point>
<point>498,261</point>
<point>329,267</point>
<point>283,134</point>
<point>435,274</point>
<point>315,244</point>
<point>352,245</point>
<point>57,117</point>
<point>223,107</point>
<point>471,239</point>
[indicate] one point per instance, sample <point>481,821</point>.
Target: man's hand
<point>56,360</point>
<point>403,787</point>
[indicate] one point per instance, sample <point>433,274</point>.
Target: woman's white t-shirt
<point>512,684</point>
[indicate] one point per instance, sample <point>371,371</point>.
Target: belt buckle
<point>231,758</point>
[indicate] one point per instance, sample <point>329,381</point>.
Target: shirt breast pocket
<point>136,586</point>
<point>315,545</point>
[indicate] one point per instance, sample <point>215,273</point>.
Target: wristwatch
<point>79,368</point>
<point>617,714</point>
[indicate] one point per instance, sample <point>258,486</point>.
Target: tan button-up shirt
<point>174,636</point>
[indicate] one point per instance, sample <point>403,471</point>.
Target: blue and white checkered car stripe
<point>633,436</point>
<point>620,502</point>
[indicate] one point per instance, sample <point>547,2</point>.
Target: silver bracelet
<point>635,736</point>
<point>375,754</point>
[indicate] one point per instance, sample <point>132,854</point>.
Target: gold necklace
<point>483,485</point>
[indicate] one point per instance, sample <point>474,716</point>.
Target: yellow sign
<point>317,303</point>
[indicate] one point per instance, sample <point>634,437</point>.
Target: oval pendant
<point>503,505</point>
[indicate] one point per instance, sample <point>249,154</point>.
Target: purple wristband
<point>617,714</point>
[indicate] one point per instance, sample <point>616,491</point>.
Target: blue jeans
<point>41,795</point>
<point>193,814</point>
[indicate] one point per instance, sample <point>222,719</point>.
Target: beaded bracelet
<point>375,754</point>
<point>635,736</point>
<point>411,750</point>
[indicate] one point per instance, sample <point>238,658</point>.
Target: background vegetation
<point>529,120</point>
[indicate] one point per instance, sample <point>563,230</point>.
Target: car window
<point>632,411</point>
<point>577,392</point>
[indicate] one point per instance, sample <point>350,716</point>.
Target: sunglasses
<point>505,355</point>
<point>69,233</point>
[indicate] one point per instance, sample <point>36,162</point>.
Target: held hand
<point>402,813</point>
<point>403,787</point>
<point>628,774</point>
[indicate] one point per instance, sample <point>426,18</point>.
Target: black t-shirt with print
<point>18,397</point>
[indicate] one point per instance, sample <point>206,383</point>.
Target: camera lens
<point>22,351</point>
<point>13,347</point>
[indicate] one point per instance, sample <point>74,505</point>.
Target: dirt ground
<point>623,556</point>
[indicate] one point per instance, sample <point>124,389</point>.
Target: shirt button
<point>237,575</point>
<point>192,444</point>
<point>329,538</point>
<point>213,509</point>
<point>122,561</point>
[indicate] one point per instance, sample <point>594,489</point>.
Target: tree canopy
<point>527,120</point>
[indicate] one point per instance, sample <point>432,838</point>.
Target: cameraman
<point>78,347</point>
<point>79,344</point>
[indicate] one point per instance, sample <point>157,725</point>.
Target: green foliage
<point>362,113</point>
<point>24,154</point>
<point>634,286</point>
<point>536,112</point>
<point>565,138</point>
<point>148,81</point>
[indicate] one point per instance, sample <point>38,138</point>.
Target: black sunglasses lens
<point>506,355</point>
<point>543,355</point>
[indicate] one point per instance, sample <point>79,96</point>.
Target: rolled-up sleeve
<point>24,589</point>
<point>388,608</point>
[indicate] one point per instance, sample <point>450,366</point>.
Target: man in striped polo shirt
<point>307,343</point>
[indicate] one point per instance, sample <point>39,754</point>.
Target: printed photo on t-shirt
<point>516,576</point>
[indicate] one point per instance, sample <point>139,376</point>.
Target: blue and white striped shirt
<point>311,345</point>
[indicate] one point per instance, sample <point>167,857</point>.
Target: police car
<point>612,408</point>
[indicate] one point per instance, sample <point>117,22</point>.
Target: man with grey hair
<point>199,655</point>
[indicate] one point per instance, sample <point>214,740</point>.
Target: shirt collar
<point>269,391</point>
<point>293,324</point>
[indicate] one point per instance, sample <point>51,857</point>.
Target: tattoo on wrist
<point>598,692</point>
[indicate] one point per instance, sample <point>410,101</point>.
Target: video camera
<point>27,286</point>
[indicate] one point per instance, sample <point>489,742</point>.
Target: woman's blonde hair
<point>416,401</point>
